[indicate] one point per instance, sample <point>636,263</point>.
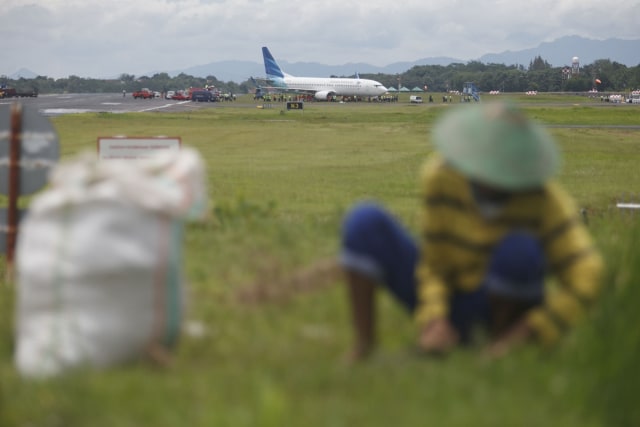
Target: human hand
<point>516,335</point>
<point>438,337</point>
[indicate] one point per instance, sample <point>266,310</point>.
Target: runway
<point>51,105</point>
<point>58,104</point>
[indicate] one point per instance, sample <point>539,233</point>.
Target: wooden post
<point>14,185</point>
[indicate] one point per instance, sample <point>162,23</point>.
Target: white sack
<point>99,260</point>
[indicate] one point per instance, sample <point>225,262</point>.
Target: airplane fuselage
<point>334,85</point>
<point>321,88</point>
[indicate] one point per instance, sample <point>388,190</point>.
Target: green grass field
<point>279,183</point>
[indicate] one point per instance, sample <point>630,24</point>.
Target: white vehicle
<point>322,88</point>
<point>415,99</point>
<point>169,94</point>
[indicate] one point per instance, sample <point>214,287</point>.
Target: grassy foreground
<point>279,183</point>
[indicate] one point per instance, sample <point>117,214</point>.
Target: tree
<point>506,78</point>
<point>539,64</point>
<point>127,78</point>
<point>578,84</point>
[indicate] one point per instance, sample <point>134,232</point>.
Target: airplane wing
<point>265,84</point>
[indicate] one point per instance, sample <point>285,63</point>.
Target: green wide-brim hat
<point>496,144</point>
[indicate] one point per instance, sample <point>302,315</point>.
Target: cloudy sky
<point>105,38</point>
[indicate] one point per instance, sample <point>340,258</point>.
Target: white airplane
<point>320,87</point>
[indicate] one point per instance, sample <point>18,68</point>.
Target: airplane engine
<point>324,95</point>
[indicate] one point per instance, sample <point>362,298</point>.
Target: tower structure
<point>575,66</point>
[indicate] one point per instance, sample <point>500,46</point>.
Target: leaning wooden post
<point>15,138</point>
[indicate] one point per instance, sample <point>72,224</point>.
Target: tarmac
<point>58,104</point>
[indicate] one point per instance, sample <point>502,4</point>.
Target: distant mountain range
<point>23,73</point>
<point>557,53</point>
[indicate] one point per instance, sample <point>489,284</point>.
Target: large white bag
<point>99,260</point>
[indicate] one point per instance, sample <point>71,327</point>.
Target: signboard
<point>38,149</point>
<point>28,149</point>
<point>295,105</point>
<point>123,147</point>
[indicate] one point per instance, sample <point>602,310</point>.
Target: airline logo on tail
<point>271,67</point>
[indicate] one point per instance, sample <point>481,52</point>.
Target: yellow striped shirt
<point>457,242</point>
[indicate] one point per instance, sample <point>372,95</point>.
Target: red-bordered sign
<point>136,147</point>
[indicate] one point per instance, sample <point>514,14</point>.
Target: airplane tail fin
<point>271,67</point>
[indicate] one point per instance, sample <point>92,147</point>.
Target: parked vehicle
<point>415,99</point>
<point>180,96</point>
<point>202,96</point>
<point>9,92</point>
<point>143,93</point>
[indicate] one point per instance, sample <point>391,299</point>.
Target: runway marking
<point>165,106</point>
<point>52,111</point>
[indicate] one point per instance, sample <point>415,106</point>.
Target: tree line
<point>603,75</point>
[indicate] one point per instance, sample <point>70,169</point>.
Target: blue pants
<point>377,246</point>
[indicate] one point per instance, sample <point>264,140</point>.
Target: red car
<point>144,94</point>
<point>180,97</point>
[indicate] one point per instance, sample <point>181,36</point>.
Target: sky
<point>107,38</point>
